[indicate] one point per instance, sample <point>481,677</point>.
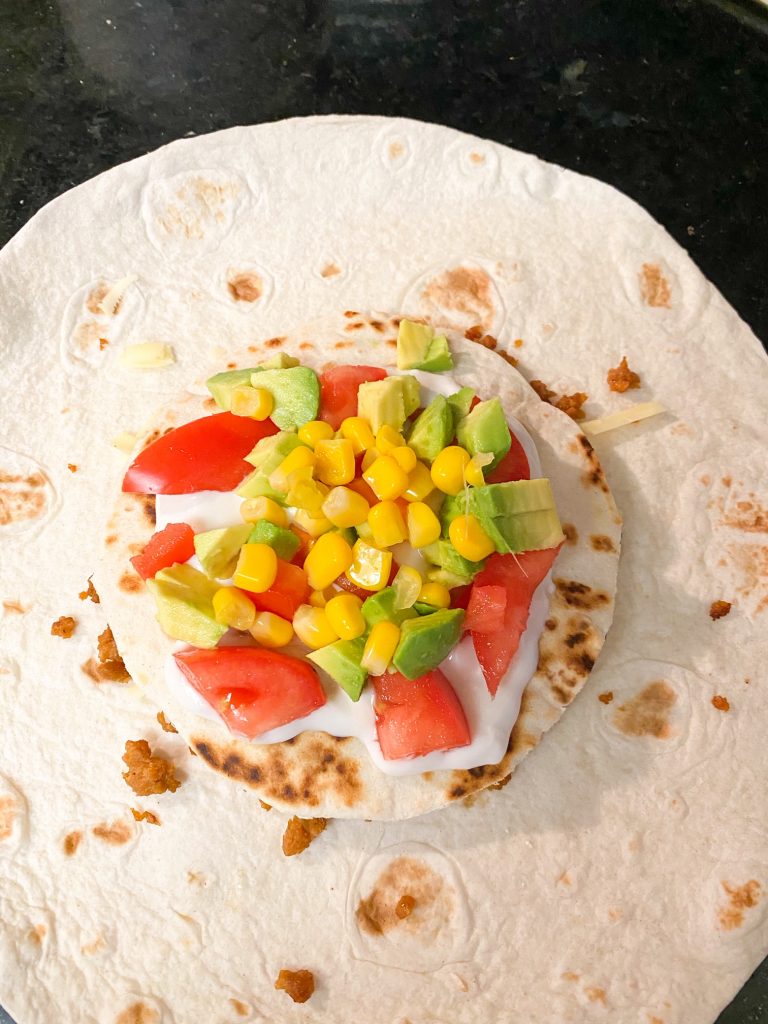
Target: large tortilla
<point>621,876</point>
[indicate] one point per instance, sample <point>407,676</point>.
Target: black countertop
<point>665,99</point>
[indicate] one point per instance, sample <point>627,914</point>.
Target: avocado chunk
<point>296,393</point>
<point>184,602</point>
<point>485,429</point>
<point>282,361</point>
<point>270,451</point>
<point>341,660</point>
<point>388,402</point>
<point>257,485</point>
<point>221,385</point>
<point>438,357</point>
<point>426,640</point>
<point>381,606</point>
<point>284,542</point>
<point>433,430</point>
<point>518,515</point>
<point>447,578</point>
<point>419,349</point>
<point>460,403</point>
<point>443,554</point>
<point>218,549</point>
<point>424,609</point>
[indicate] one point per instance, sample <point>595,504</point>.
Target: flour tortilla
<point>621,875</point>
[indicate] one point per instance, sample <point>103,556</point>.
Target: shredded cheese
<point>633,414</point>
<point>111,300</point>
<point>151,355</point>
<point>124,441</point>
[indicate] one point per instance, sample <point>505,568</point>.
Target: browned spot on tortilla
<point>195,878</point>
<point>148,503</point>
<point>130,582</point>
<point>265,806</point>
<point>115,834</point>
<point>571,533</point>
<point>721,703</point>
<point>96,296</point>
<point>391,342</point>
<point>654,287</point>
<point>654,1020</point>
<point>343,344</point>
<point>747,514</point>
<point>306,346</point>
<point>147,816</point>
<point>605,698</point>
<point>570,976</point>
<point>274,342</point>
<point>111,539</point>
<point>8,811</point>
<point>245,286</point>
<point>647,713</point>
<point>595,478</point>
<point>596,995</point>
<point>750,561</point>
<point>565,879</point>
<point>138,1013</point>
<point>579,595</point>
<point>600,542</point>
<point>740,898</point>
<point>726,481</point>
<point>240,1008</point>
<point>354,326</point>
<point>15,607</point>
<point>21,497</point>
<point>37,934</point>
<point>477,158</point>
<point>465,291</point>
<point>377,325</point>
<point>502,782</point>
<point>71,842</point>
<point>550,624</point>
<point>395,149</point>
<point>377,913</point>
<point>706,479</point>
<point>165,725</point>
<point>330,270</point>
<point>349,313</point>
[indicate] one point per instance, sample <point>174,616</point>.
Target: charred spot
<point>328,757</point>
<point>595,478</point>
<point>207,754</point>
<point>288,792</point>
<point>478,772</point>
<point>562,695</point>
<point>579,595</point>
<point>254,773</point>
<point>111,539</point>
<point>457,792</point>
<point>391,342</point>
<point>151,438</point>
<point>349,313</point>
<point>290,741</point>
<point>602,543</point>
<point>550,624</point>
<point>586,444</point>
<point>232,766</point>
<point>571,533</point>
<point>343,344</point>
<point>355,326</point>
<point>130,583</point>
<point>341,768</point>
<point>575,638</point>
<point>274,342</point>
<point>377,325</point>
<point>148,506</point>
<point>305,345</point>
<point>587,661</point>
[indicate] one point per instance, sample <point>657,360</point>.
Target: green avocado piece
<point>526,531</point>
<point>270,451</point>
<point>485,429</point>
<point>381,606</point>
<point>433,430</point>
<point>296,393</point>
<point>184,603</point>
<point>221,385</point>
<point>218,549</point>
<point>282,361</point>
<point>413,341</point>
<point>443,554</point>
<point>519,515</point>
<point>389,401</point>
<point>512,497</point>
<point>447,578</point>
<point>411,393</point>
<point>257,485</point>
<point>421,608</point>
<point>438,358</point>
<point>341,660</point>
<point>426,640</point>
<point>284,542</point>
<point>460,403</point>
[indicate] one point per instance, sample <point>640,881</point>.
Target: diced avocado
<point>527,531</point>
<point>282,361</point>
<point>296,393</point>
<point>438,357</point>
<point>284,542</point>
<point>381,606</point>
<point>485,429</point>
<point>389,401</point>
<point>411,393</point>
<point>341,660</point>
<point>184,601</point>
<point>218,549</point>
<point>257,485</point>
<point>424,609</point>
<point>221,385</point>
<point>348,533</point>
<point>518,515</point>
<point>443,554</point>
<point>460,404</point>
<point>270,451</point>
<point>512,497</point>
<point>433,430</point>
<point>413,342</point>
<point>426,640</point>
<point>447,578</point>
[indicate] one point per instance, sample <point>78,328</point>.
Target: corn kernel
<point>407,585</point>
<point>271,630</point>
<point>386,521</point>
<point>314,431</point>
<point>345,617</point>
<point>233,609</point>
<point>436,594</point>
<point>254,509</point>
<point>470,539</point>
<point>256,568</point>
<point>306,494</point>
<point>335,461</point>
<point>386,478</point>
<point>320,598</point>
<point>423,525</point>
<point>257,403</point>
<point>358,431</point>
<point>370,567</point>
<point>371,454</point>
<point>387,438</point>
<point>473,472</point>
<point>327,560</point>
<point>419,483</point>
<point>380,647</point>
<point>345,507</point>
<point>312,627</point>
<point>299,458</point>
<point>315,526</point>
<point>448,469</point>
<point>405,457</point>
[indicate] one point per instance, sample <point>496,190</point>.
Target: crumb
<point>721,703</point>
<point>145,816</point>
<point>112,665</point>
<point>300,832</point>
<point>298,984</point>
<point>541,389</point>
<point>605,698</point>
<point>621,378</point>
<point>718,609</point>
<point>72,467</point>
<point>405,906</point>
<point>518,342</point>
<point>90,593</point>
<point>266,807</point>
<point>146,773</point>
<point>103,342</point>
<point>64,627</point>
<point>571,405</point>
<point>165,725</point>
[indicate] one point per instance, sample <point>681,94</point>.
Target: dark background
<point>665,99</point>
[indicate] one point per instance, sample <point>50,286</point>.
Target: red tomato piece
<point>176,543</point>
<point>519,575</point>
<point>305,543</point>
<point>204,455</point>
<point>359,486</point>
<point>346,583</point>
<point>460,598</point>
<point>417,716</point>
<point>513,466</point>
<point>289,590</point>
<point>485,611</point>
<point>338,391</point>
<point>253,690</point>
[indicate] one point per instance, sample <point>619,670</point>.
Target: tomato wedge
<point>289,590</point>
<point>519,575</point>
<point>175,543</point>
<point>417,716</point>
<point>338,391</point>
<point>253,690</point>
<point>485,610</point>
<point>204,455</point>
<point>513,466</point>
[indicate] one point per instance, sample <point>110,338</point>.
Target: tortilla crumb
<point>605,698</point>
<point>545,394</point>
<point>405,906</point>
<point>300,832</point>
<point>622,379</point>
<point>718,609</point>
<point>265,806</point>
<point>103,342</point>
<point>165,725</point>
<point>90,593</point>
<point>508,358</point>
<point>298,984</point>
<point>64,627</point>
<point>571,405</point>
<point>72,467</point>
<point>721,703</point>
<point>112,665</point>
<point>145,816</point>
<point>146,773</point>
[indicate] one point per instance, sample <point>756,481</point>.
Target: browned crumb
<point>112,665</point>
<point>474,333</point>
<point>165,725</point>
<point>621,378</point>
<point>718,609</point>
<point>545,394</point>
<point>64,627</point>
<point>605,698</point>
<point>298,984</point>
<point>146,773</point>
<point>266,807</point>
<point>571,405</point>
<point>508,358</point>
<point>300,832</point>
<point>103,342</point>
<point>518,342</point>
<point>502,782</point>
<point>72,467</point>
<point>90,593</point>
<point>721,703</point>
<point>145,816</point>
<point>405,906</point>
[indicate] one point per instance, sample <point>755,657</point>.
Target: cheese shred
<point>110,304</point>
<point>151,355</point>
<point>635,413</point>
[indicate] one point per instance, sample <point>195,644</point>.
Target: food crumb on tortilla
<point>148,774</point>
<point>103,342</point>
<point>571,405</point>
<point>72,467</point>
<point>300,832</point>
<point>90,593</point>
<point>147,816</point>
<point>605,698</point>
<point>265,806</point>
<point>718,609</point>
<point>298,984</point>
<point>112,665</point>
<point>621,378</point>
<point>165,725</point>
<point>64,627</point>
<point>405,906</point>
<point>721,703</point>
<point>541,389</point>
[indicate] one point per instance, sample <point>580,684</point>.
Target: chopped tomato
<point>519,575</point>
<point>253,690</point>
<point>289,590</point>
<point>363,489</point>
<point>460,598</point>
<point>305,543</point>
<point>346,583</point>
<point>338,391</point>
<point>204,455</point>
<point>417,716</point>
<point>485,611</point>
<point>175,543</point>
<point>513,466</point>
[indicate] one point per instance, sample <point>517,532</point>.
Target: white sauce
<point>490,719</point>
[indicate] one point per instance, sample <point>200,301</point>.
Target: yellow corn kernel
<point>254,509</point>
<point>371,454</point>
<point>256,568</point>
<point>386,521</point>
<point>386,478</point>
<point>358,431</point>
<point>335,461</point>
<point>271,630</point>
<point>315,526</point>
<point>314,431</point>
<point>320,598</point>
<point>306,493</point>
<point>299,458</point>
<point>423,525</point>
<point>407,585</point>
<point>388,438</point>
<point>419,483</point>
<point>312,627</point>
<point>345,507</point>
<point>448,469</point>
<point>380,647</point>
<point>370,567</point>
<point>405,457</point>
<point>233,609</point>
<point>470,539</point>
<point>345,617</point>
<point>327,560</point>
<point>473,472</point>
<point>254,402</point>
<point>436,594</point>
